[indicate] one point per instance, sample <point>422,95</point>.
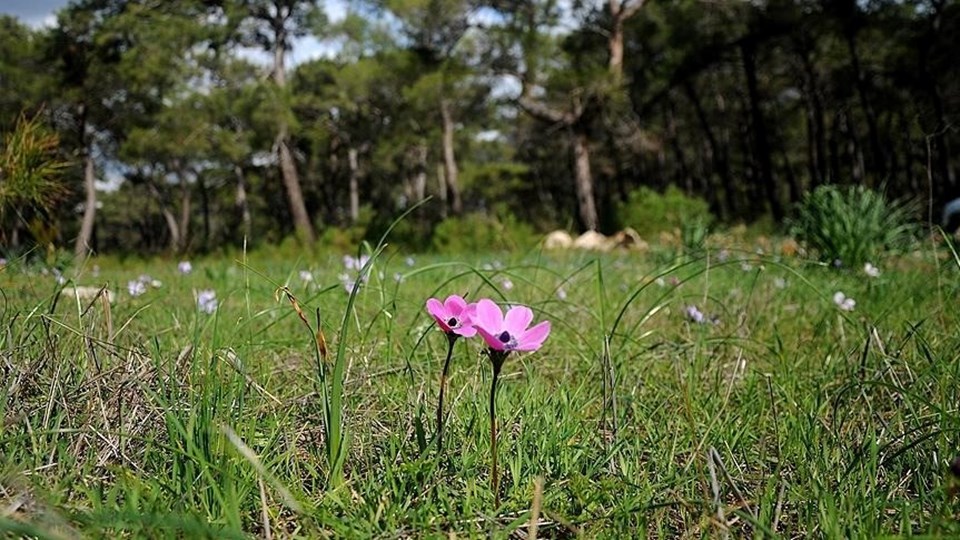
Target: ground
<point>725,392</point>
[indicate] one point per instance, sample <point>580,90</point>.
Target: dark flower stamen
<point>453,322</point>
<point>505,337</point>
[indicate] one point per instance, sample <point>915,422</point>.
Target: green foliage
<point>693,235</point>
<point>31,168</point>
<point>853,225</point>
<point>477,232</point>
<point>183,424</point>
<point>650,212</point>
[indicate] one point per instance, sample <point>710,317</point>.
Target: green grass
<point>787,418</point>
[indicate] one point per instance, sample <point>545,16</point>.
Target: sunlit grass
<point>779,415</point>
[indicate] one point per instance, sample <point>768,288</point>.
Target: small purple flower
<point>561,294</point>
<point>837,263</point>
<point>184,267</point>
<point>409,261</point>
<point>207,301</point>
<point>843,302</point>
<point>3,261</point>
<point>355,263</point>
<point>871,270</point>
<point>136,287</point>
<point>506,284</point>
<point>694,315</point>
<point>306,275</point>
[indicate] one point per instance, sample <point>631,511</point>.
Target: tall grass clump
<point>852,225</point>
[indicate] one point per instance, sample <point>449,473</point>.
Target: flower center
<point>452,322</point>
<point>505,337</point>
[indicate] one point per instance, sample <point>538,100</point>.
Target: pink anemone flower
<point>453,315</point>
<point>510,332</point>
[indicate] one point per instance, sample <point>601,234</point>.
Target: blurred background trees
<point>190,127</point>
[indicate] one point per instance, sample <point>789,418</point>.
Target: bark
<point>683,172</point>
<point>186,207</point>
<point>584,179</point>
<point>288,169</point>
<point>620,11</point>
<point>717,156</point>
<point>291,182</point>
<point>241,202</point>
<point>761,139</point>
<point>420,176</point>
<point>354,180</point>
<point>204,211</point>
<point>168,217</point>
<point>816,133</point>
<point>580,147</point>
<point>451,172</point>
<point>871,116</point>
<point>82,246</point>
<point>442,188</point>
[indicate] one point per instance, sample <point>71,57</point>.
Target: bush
<point>480,232</point>
<point>650,212</point>
<point>853,225</point>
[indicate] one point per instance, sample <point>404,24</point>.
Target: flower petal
<point>454,304</point>
<point>492,341</point>
<point>517,320</point>
<point>466,329</point>
<point>488,317</point>
<point>439,314</point>
<point>534,338</point>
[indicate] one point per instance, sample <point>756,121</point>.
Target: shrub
<point>650,212</point>
<point>480,232</point>
<point>853,225</point>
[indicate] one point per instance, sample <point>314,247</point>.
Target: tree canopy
<point>190,127</point>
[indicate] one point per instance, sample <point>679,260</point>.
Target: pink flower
<point>510,332</point>
<point>454,315</point>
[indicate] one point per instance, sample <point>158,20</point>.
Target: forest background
<point>183,126</point>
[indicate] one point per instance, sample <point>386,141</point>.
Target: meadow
<point>729,394</point>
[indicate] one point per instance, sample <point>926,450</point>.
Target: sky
<point>39,13</point>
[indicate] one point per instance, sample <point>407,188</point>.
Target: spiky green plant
<point>853,225</point>
<point>30,167</point>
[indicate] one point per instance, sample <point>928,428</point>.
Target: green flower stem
<point>451,338</point>
<point>497,357</point>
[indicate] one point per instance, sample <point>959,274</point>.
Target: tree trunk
<point>620,11</point>
<point>82,246</point>
<point>354,180</point>
<point>291,182</point>
<point>816,133</point>
<point>761,140</point>
<point>420,178</point>
<point>584,179</point>
<point>186,207</point>
<point>450,170</point>
<point>168,217</point>
<point>288,169</point>
<point>717,157</point>
<point>204,211</point>
<point>878,160</point>
<point>442,189</point>
<point>241,202</point>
